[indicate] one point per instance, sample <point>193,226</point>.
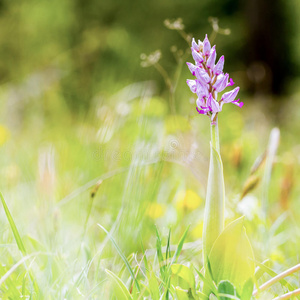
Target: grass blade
<point>168,250</point>
<point>180,245</point>
<point>13,226</point>
<point>122,256</point>
<point>161,261</point>
<point>18,239</point>
<point>121,290</point>
<point>14,267</point>
<point>269,271</point>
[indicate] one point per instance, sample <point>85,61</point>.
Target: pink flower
<point>210,80</point>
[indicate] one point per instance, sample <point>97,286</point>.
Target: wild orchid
<point>210,80</point>
<point>227,252</point>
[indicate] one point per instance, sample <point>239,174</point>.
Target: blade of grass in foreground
<point>14,267</point>
<point>179,247</point>
<point>122,256</point>
<point>18,239</point>
<point>13,226</point>
<point>273,274</point>
<point>162,263</point>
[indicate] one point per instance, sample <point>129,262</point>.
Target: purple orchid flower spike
<point>210,80</point>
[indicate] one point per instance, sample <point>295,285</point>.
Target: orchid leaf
<point>214,207</point>
<point>231,257</point>
<point>247,290</point>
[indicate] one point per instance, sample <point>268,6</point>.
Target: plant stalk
<point>214,133</point>
<point>277,278</point>
<point>215,196</point>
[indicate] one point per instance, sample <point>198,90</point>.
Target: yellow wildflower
<point>188,200</point>
<point>155,210</point>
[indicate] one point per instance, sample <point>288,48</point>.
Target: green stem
<point>214,133</point>
<point>277,278</point>
<point>215,196</point>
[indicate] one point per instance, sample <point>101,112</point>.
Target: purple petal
<point>200,45</point>
<point>236,102</point>
<point>200,102</point>
<point>202,111</point>
<point>197,56</point>
<point>192,68</point>
<point>231,82</point>
<point>192,85</point>
<point>212,58</point>
<point>230,96</point>
<point>212,104</point>
<point>195,45</point>
<point>218,69</point>
<point>202,89</point>
<point>221,82</point>
<point>202,75</point>
<point>206,46</point>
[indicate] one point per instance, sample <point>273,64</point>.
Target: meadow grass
<point>131,173</point>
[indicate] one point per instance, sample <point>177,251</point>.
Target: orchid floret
<point>212,58</point>
<point>210,80</point>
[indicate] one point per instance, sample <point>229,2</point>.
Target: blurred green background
<point>94,46</point>
<point>77,107</point>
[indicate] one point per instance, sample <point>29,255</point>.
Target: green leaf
<point>162,263</point>
<point>214,206</point>
<point>18,240</point>
<point>180,245</point>
<point>231,257</point>
<point>247,290</point>
<point>168,249</point>
<point>225,287</point>
<point>153,286</point>
<point>181,294</point>
<point>208,283</point>
<point>120,289</point>
<point>13,226</point>
<point>122,256</point>
<point>185,273</point>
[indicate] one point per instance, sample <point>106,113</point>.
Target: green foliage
<point>123,258</point>
<point>65,127</point>
<point>215,203</point>
<point>231,257</point>
<point>13,226</point>
<point>120,290</point>
<point>185,273</point>
<point>225,287</point>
